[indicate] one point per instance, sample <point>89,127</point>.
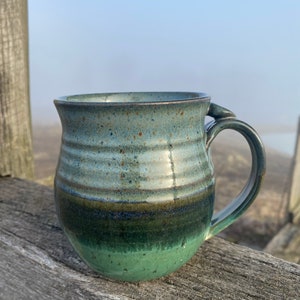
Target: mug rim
<point>132,98</point>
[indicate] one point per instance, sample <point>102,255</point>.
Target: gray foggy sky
<point>245,54</point>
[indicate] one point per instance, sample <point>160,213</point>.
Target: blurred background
<point>246,55</point>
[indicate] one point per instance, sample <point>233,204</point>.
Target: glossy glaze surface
<point>137,241</point>
<point>134,186</point>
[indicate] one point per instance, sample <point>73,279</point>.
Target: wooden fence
<point>15,120</point>
<point>294,193</point>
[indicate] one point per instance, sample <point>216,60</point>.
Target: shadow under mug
<point>134,185</point>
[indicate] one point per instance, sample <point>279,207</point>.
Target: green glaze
<point>136,241</point>
<point>134,186</point>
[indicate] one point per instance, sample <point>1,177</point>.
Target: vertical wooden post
<point>294,194</point>
<point>16,158</point>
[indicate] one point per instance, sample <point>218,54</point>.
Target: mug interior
<point>135,97</point>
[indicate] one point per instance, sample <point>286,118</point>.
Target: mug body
<point>134,186</point>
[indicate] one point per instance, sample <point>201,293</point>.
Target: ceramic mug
<point>134,185</point>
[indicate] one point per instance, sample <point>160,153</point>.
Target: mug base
<point>138,265</point>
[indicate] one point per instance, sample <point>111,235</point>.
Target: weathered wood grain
<point>15,123</point>
<point>37,262</point>
<point>294,193</point>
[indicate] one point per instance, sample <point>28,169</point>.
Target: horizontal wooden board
<point>37,262</point>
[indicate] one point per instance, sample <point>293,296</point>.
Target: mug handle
<point>225,119</point>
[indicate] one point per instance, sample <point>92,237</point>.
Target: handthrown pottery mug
<point>134,185</point>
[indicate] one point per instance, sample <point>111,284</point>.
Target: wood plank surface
<point>37,262</point>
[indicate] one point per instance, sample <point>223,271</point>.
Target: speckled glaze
<point>134,186</point>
